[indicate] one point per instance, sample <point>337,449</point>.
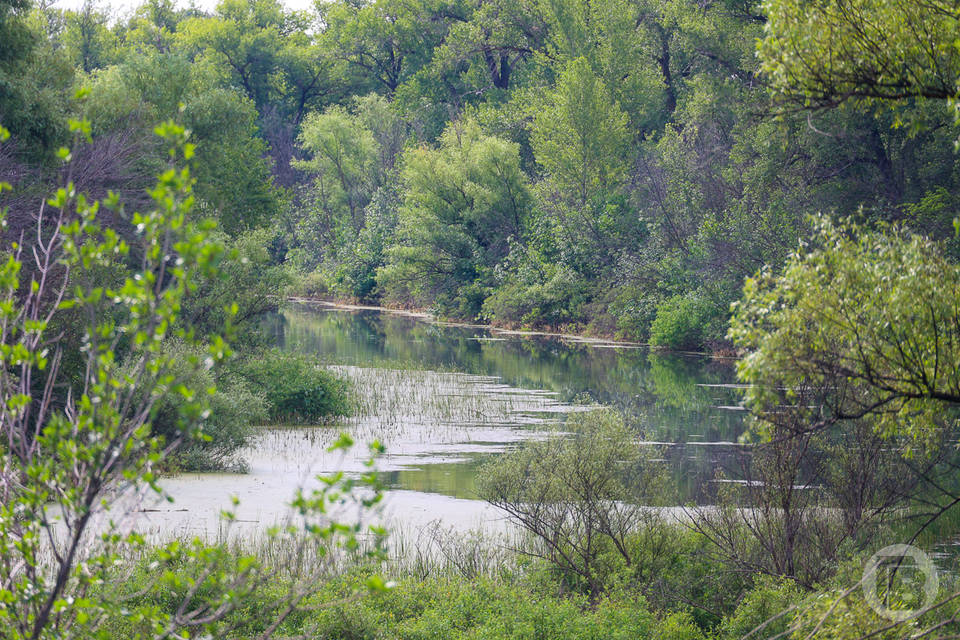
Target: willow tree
<point>581,140</point>
<point>463,203</point>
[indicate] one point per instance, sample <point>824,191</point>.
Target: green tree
<point>87,37</point>
<point>583,495</point>
<point>152,27</point>
<point>498,37</point>
<point>264,50</point>
<point>632,46</point>
<point>823,53</point>
<point>68,454</point>
<point>33,83</point>
<point>235,184</point>
<point>462,204</point>
<point>863,325</point>
<point>343,158</point>
<point>580,138</point>
<point>384,41</point>
<point>243,289</point>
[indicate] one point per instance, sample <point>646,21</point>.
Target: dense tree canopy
<point>464,202</point>
<point>610,167</point>
<point>32,103</point>
<point>613,162</point>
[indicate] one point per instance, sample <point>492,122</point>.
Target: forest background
<point>616,168</point>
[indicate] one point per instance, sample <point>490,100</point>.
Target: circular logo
<point>903,558</point>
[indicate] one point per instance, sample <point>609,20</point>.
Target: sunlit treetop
<point>826,52</point>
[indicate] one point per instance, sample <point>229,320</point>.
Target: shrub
<point>769,598</point>
<point>634,309</point>
<point>583,495</point>
<point>310,285</point>
<point>231,411</point>
<point>296,388</point>
<point>679,626</point>
<point>246,277</point>
<point>556,301</point>
<point>680,323</point>
<point>454,608</point>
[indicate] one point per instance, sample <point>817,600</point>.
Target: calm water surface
<point>447,399</point>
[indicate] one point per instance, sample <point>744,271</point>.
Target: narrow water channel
<point>444,399</point>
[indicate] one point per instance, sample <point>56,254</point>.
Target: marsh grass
<point>445,404</point>
<point>410,409</point>
<point>441,550</point>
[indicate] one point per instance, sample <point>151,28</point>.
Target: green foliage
<point>355,268</point>
<point>342,160</point>
<point>580,136</point>
<point>635,309</point>
<point>102,436</point>
<point>826,52</point>
<point>33,85</point>
<point>309,285</point>
<point>234,181</point>
<point>680,322</point>
<point>234,184</point>
<point>295,387</point>
<point>462,204</point>
<point>679,626</point>
<point>435,607</point>
<point>87,37</point>
<point>608,166</point>
<point>482,608</point>
<point>648,164</point>
<point>839,614</point>
<point>524,605</point>
<point>384,41</point>
<point>146,387</point>
<point>223,429</point>
<point>260,48</point>
<point>868,318</point>
<point>583,495</point>
<point>555,302</point>
<point>242,291</point>
<point>491,46</point>
<point>765,607</point>
<point>344,224</point>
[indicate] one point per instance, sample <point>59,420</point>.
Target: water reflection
<point>686,400</point>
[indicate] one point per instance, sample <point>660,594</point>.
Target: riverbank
<point>599,341</point>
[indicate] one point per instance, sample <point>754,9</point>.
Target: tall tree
<point>235,184</point>
<point>88,38</point>
<point>266,51</point>
<point>463,203</point>
<point>498,35</point>
<point>580,138</point>
<point>343,161</point>
<point>384,41</point>
<point>33,84</point>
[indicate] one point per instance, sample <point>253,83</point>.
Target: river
<point>444,399</point>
